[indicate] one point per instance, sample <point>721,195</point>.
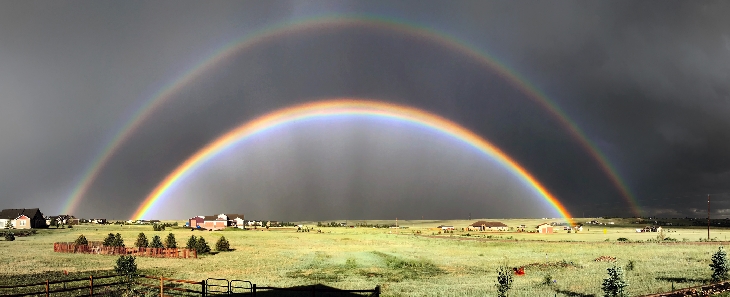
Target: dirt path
<point>457,237</point>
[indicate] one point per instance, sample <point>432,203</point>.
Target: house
<point>488,226</point>
<point>98,221</point>
<point>235,220</point>
<point>214,222</point>
<point>544,228</point>
<point>194,222</point>
<point>443,227</point>
<point>22,218</point>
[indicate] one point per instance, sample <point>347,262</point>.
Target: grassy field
<point>402,263</point>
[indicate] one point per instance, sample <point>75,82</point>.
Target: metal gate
<point>219,286</point>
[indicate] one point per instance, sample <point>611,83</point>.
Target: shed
<point>544,228</point>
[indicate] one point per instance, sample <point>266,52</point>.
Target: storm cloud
<point>646,81</point>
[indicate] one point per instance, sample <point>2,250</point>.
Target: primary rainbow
<point>340,107</point>
<point>337,22</point>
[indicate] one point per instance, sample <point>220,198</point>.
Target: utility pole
<point>708,217</point>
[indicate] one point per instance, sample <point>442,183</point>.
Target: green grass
<point>403,264</point>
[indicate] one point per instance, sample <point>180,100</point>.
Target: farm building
<point>62,219</point>
<point>544,228</point>
<point>98,221</point>
<point>22,218</point>
<point>488,226</point>
<point>444,227</point>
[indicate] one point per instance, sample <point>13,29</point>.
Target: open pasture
<point>402,263</point>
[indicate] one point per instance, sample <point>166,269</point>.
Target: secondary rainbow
<point>338,107</point>
<point>336,22</point>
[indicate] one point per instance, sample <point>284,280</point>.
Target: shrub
<point>547,280</point>
<point>158,227</point>
<point>156,242</point>
<point>126,267</point>
<point>719,265</point>
<point>201,246</point>
<point>614,284</point>
<point>170,241</point>
<point>222,245</point>
<point>622,239</point>
<point>504,280</point>
<point>630,266</point>
<point>9,236</point>
<point>70,226</point>
<point>109,240</point>
<point>141,241</point>
<point>81,240</point>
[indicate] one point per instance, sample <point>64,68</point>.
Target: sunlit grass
<point>403,264</point>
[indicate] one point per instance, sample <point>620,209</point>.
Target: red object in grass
<point>519,271</point>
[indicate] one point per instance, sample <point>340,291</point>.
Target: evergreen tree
<point>156,242</point>
<point>9,236</point>
<point>81,240</point>
<point>170,241</point>
<point>504,280</point>
<point>719,266</point>
<point>614,284</point>
<point>126,267</point>
<point>118,241</point>
<point>109,240</point>
<point>141,241</point>
<point>222,245</point>
<point>192,242</point>
<point>202,247</point>
<point>8,225</point>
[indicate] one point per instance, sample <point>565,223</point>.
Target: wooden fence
<point>90,284</point>
<point>69,247</point>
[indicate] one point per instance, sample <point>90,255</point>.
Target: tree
<point>614,284</point>
<point>192,242</point>
<point>156,242</point>
<point>81,240</point>
<point>504,280</point>
<point>54,223</point>
<point>8,225</point>
<point>109,240</point>
<point>719,266</point>
<point>118,241</point>
<point>170,241</point>
<point>222,245</point>
<point>126,267</point>
<point>202,247</point>
<point>9,236</point>
<point>141,241</point>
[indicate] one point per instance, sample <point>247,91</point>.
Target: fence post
<point>377,290</point>
<point>162,288</point>
<point>202,287</point>
<point>46,288</point>
<point>91,285</point>
<point>314,290</point>
<point>253,289</point>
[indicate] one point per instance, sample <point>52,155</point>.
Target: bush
<point>170,241</point>
<point>719,266</point>
<point>622,239</point>
<point>158,227</point>
<point>126,267</point>
<point>614,284</point>
<point>201,246</point>
<point>547,280</point>
<point>156,242</point>
<point>81,240</point>
<point>9,236</point>
<point>504,280</point>
<point>630,266</point>
<point>222,245</point>
<point>141,241</point>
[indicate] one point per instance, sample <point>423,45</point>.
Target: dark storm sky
<point>648,82</point>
